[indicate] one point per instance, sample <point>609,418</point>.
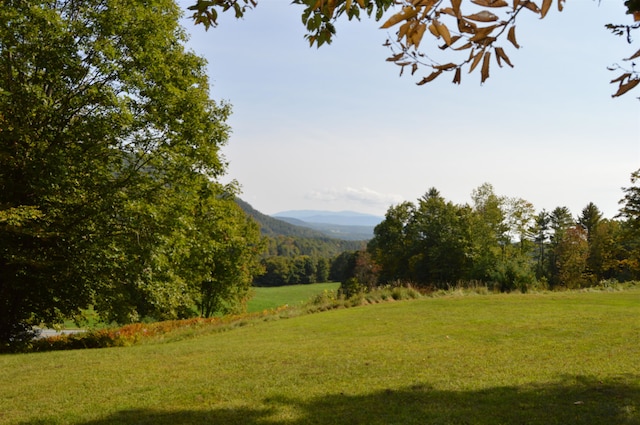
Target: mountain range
<point>343,225</point>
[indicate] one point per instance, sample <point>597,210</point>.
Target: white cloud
<point>361,195</point>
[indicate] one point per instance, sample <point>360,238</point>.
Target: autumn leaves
<point>476,32</point>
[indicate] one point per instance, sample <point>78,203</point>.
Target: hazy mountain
<point>346,225</point>
<point>342,218</point>
<point>270,226</point>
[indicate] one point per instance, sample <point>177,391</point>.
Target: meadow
<point>292,295</point>
<point>549,358</point>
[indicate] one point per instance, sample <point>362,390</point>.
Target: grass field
<point>268,298</point>
<point>554,358</point>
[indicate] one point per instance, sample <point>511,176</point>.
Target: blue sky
<point>336,128</point>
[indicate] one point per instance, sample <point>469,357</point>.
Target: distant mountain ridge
<point>343,225</point>
<point>342,218</point>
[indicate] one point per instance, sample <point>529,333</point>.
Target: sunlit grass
<point>270,298</point>
<point>563,358</point>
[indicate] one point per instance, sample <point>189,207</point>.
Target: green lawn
<point>555,358</point>
<point>269,298</point>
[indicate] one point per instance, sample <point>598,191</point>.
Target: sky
<point>337,128</point>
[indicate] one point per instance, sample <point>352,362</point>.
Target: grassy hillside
<point>558,358</point>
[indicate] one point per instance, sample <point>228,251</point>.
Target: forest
<point>500,243</point>
<point>496,241</point>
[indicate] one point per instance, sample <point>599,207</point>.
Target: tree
<point>560,220</point>
<point>109,157</point>
<point>541,232</point>
<point>630,237</point>
<point>442,240</point>
<point>489,231</point>
<point>571,257</point>
<point>471,31</point>
<point>390,246</point>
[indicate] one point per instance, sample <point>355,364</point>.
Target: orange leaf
<point>546,5</point>
<point>635,55</point>
<point>395,57</point>
<point>456,7</point>
<point>445,67</point>
<point>490,3</point>
<point>482,33</point>
<point>621,78</point>
<point>431,77</point>
<point>457,77</point>
<point>476,61</point>
<point>531,6</point>
<point>502,55</point>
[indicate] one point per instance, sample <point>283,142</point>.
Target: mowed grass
<point>555,358</point>
<point>270,298</point>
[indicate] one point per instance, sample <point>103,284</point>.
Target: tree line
<point>499,242</point>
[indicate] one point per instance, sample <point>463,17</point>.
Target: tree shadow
<point>573,400</point>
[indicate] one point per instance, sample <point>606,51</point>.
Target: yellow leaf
<point>511,36</point>
<point>443,31</point>
<point>484,16</point>
<point>626,87</point>
<point>348,5</point>
<point>433,30</point>
<point>418,34</point>
<point>464,47</point>
<point>361,3</point>
<point>406,14</point>
<point>546,5</point>
<point>476,61</point>
<point>404,29</point>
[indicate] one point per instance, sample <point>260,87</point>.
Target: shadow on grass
<point>574,400</point>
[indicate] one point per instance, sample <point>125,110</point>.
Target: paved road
<point>47,333</point>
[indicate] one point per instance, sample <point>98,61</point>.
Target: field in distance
<point>552,358</point>
<point>270,298</point>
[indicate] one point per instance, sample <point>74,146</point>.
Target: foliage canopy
<point>109,156</point>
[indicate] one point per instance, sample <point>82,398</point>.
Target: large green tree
<point>109,157</point>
